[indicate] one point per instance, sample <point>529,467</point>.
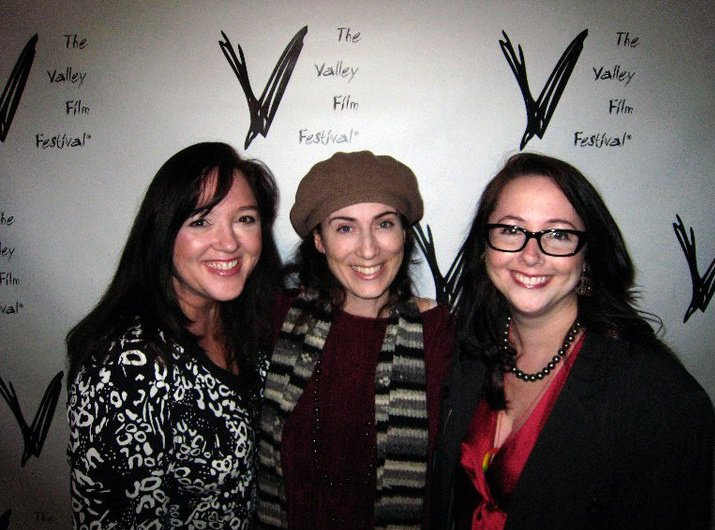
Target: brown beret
<point>351,178</point>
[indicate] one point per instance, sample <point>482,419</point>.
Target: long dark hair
<point>309,270</point>
<point>610,309</point>
<point>142,286</point>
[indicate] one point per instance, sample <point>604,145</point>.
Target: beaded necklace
<point>510,365</point>
<point>324,477</point>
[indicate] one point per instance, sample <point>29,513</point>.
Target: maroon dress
<point>329,472</point>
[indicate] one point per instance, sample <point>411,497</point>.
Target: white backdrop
<point>428,82</point>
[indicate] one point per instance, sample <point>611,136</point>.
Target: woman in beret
<point>351,400</point>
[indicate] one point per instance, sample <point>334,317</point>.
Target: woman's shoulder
<point>436,318</point>
<point>134,353</point>
<point>425,304</point>
<point>146,341</point>
<point>652,373</point>
<point>654,358</point>
<point>129,376</point>
<point>432,312</point>
<point>438,329</point>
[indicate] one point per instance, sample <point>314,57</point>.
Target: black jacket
<point>628,444</point>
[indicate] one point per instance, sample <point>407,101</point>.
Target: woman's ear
<point>318,241</point>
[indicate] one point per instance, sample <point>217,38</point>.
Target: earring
<point>583,287</point>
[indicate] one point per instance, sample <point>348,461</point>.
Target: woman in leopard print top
<point>166,372</point>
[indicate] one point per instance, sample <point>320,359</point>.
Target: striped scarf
<point>400,411</point>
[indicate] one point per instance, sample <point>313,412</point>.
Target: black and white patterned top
<point>157,445</point>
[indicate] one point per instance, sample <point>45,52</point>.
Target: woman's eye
<point>558,235</point>
<point>343,229</point>
<point>247,219</point>
<point>198,223</point>
<point>385,224</point>
<point>510,230</point>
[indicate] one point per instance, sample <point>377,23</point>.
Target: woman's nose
<point>226,238</point>
<point>367,246</point>
<point>531,254</point>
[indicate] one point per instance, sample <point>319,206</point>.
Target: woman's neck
<point>206,326</point>
<point>367,308</point>
<point>536,340</point>
<point>203,318</point>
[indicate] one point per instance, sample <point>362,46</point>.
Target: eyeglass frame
<point>580,234</point>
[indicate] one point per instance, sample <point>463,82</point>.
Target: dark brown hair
<point>610,310</point>
<point>142,285</point>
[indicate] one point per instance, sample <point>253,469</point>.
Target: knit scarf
<point>400,411</point>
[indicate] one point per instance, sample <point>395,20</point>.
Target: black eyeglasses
<point>560,242</point>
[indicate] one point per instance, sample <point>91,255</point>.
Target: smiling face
<point>535,285</point>
<point>215,252</point>
<point>364,246</point>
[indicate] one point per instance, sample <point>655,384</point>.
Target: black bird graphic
<point>15,85</point>
<point>703,286</point>
<point>263,110</point>
<point>33,435</point>
<point>444,285</point>
<point>539,112</point>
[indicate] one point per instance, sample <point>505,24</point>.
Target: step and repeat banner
<point>97,95</point>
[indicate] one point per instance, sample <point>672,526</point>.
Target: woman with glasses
<point>563,409</point>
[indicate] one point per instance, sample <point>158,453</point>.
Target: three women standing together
<point>562,409</point>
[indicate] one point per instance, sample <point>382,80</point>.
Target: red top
<point>347,444</point>
<point>495,475</point>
